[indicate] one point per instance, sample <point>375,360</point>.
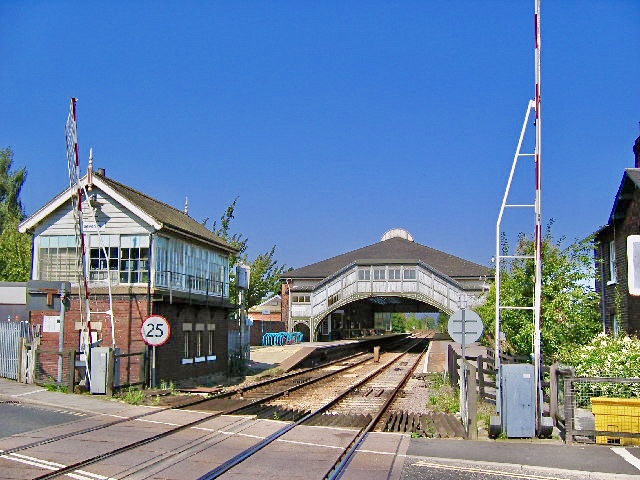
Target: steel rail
<point>338,469</point>
<point>83,463</point>
<point>220,396</point>
<point>245,454</point>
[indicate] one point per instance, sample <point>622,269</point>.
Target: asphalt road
<point>456,460</point>
<point>20,417</point>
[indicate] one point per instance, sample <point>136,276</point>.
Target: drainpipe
<point>600,247</point>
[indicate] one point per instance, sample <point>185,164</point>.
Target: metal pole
<point>463,386</point>
<point>538,219</point>
<point>63,293</point>
<point>153,367</point>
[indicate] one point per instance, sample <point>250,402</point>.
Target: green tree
<point>10,186</point>
<point>398,323</point>
<point>15,247</point>
<point>15,253</point>
<point>569,305</point>
<point>265,271</point>
<point>265,277</point>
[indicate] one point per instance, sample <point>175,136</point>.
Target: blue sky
<point>332,121</point>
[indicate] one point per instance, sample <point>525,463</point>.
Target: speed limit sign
<point>155,330</point>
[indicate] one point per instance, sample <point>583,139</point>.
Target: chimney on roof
<point>101,171</point>
<point>636,151</point>
<point>90,170</point>
<point>186,206</point>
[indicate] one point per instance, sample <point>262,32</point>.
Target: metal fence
<point>595,410</point>
<point>13,335</point>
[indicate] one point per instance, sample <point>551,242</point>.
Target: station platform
<point>287,357</point>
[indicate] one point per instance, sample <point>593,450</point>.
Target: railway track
<point>212,425</point>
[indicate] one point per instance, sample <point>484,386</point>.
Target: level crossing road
<point>16,417</point>
<point>518,459</point>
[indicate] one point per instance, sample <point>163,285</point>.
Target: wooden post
<point>452,365</point>
<point>72,370</point>
<point>21,363</point>
<point>110,368</point>
<point>553,392</point>
<point>480,365</point>
<point>472,404</point>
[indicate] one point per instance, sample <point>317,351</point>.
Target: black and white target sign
<point>155,330</point>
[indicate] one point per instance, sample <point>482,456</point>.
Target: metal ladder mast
<point>535,105</point>
<point>78,192</point>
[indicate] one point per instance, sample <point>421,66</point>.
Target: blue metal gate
<point>10,334</point>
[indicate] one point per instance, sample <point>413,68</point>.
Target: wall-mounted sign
<point>50,323</point>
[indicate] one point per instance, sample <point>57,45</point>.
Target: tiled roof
<point>388,250</point>
<point>629,183</point>
<point>170,217</point>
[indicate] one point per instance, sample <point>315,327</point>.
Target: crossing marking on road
<point>627,456</point>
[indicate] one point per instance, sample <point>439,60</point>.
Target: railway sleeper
<point>431,424</point>
<point>347,420</point>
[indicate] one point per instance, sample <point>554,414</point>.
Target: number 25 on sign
<point>155,330</point>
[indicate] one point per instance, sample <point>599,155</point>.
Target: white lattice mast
<point>77,193</point>
<point>533,105</point>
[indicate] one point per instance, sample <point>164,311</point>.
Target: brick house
<point>155,259</point>
<point>266,317</point>
<point>616,277</point>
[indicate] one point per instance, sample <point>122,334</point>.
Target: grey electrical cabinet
<point>99,368</point>
<point>518,400</point>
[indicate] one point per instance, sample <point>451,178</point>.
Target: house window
<point>612,262</point>
<point>118,258</point>
<point>394,274</point>
<point>187,353</point>
<point>210,338</point>
<point>364,274</point>
<point>188,267</point>
<point>209,342</point>
<point>325,328</point>
<point>379,274</point>
<point>409,274</point>
<point>57,258</point>
<point>301,298</point>
<point>333,298</point>
<point>199,335</point>
<point>134,259</point>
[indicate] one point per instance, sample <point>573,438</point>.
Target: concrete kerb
<point>12,391</point>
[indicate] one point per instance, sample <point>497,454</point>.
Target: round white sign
<point>155,330</point>
<point>472,326</point>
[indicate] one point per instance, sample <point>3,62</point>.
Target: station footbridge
<point>354,294</point>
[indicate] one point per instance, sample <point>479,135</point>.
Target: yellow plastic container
<point>616,415</point>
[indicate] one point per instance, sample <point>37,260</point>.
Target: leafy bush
<point>443,397</point>
<point>133,396</point>
<point>607,356</point>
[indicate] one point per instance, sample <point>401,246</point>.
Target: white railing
<point>429,286</point>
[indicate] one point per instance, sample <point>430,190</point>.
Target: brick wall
<point>629,316</point>
<point>284,304</point>
<point>172,361</point>
<point>260,327</point>
<point>129,312</point>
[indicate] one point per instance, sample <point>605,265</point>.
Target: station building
<point>149,259</point>
<point>354,294</point>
